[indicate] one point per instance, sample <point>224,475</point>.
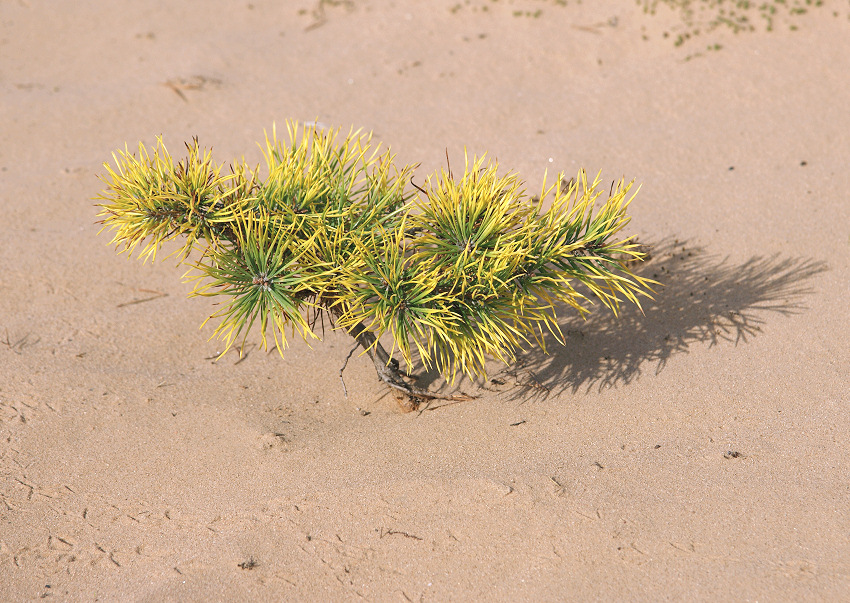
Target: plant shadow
<point>703,299</point>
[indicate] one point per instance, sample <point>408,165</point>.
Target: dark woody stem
<point>388,370</point>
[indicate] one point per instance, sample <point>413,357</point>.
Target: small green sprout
<point>455,272</point>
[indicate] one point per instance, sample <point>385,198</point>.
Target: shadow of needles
<point>704,299</point>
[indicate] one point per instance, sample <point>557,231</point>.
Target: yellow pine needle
<point>465,269</point>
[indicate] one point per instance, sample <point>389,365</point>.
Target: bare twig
<point>19,345</point>
<point>345,364</point>
<point>145,299</point>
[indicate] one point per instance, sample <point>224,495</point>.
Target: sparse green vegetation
<point>522,8</point>
<point>705,16</point>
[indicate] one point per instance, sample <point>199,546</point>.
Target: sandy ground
<point>697,452</point>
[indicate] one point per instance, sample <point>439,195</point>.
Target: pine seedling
<point>455,272</point>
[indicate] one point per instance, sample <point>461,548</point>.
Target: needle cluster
<point>458,270</point>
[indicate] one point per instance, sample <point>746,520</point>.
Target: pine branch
<point>459,270</point>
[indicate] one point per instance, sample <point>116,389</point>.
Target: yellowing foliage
<point>460,270</point>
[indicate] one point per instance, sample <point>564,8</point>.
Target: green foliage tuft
<point>458,271</point>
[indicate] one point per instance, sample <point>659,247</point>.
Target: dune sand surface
<point>698,451</point>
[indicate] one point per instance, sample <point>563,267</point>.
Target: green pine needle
<point>461,270</point>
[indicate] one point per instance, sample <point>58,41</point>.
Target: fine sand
<point>697,451</point>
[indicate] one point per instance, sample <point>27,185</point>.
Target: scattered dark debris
<point>733,454</point>
<point>657,446</point>
<point>390,532</point>
<point>250,564</point>
<point>598,464</point>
